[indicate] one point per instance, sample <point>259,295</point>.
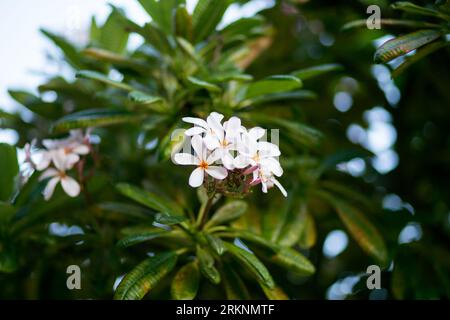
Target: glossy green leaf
<point>295,221</point>
<point>206,263</point>
<point>207,15</point>
<point>186,282</point>
<point>215,243</point>
<point>227,213</point>
<point>71,53</point>
<point>35,104</point>
<point>113,36</point>
<point>169,212</point>
<point>162,12</point>
<point>311,72</point>
<point>242,26</point>
<point>252,263</point>
<point>204,84</point>
<point>294,261</point>
<point>275,293</point>
<point>409,7</point>
<point>9,168</point>
<point>403,23</point>
<point>145,276</point>
<point>141,236</point>
<point>7,211</point>
<point>273,84</point>
<point>401,45</point>
<point>183,23</point>
<point>362,230</point>
<point>152,102</point>
<point>97,76</point>
<point>279,97</point>
<point>94,118</point>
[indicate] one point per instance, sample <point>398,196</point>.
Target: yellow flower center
<point>203,165</point>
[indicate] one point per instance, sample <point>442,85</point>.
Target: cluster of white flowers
<point>58,157</point>
<point>228,147</point>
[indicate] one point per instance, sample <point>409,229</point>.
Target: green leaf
<point>401,45</point>
<point>162,12</point>
<point>420,54</point>
<point>275,294</point>
<point>235,288</point>
<point>308,234</point>
<point>251,237</point>
<point>7,211</point>
<point>391,22</point>
<point>252,263</point>
<point>215,243</point>
<point>415,9</point>
<point>183,23</point>
<point>97,76</point>
<point>94,31</point>
<point>243,26</point>
<point>342,155</point>
<point>294,261</point>
<point>204,84</point>
<point>272,84</point>
<point>94,118</point>
<point>35,104</point>
<point>155,37</point>
<point>8,258</point>
<point>207,268</point>
<point>186,282</point>
<point>71,53</point>
<point>362,230</point>
<point>141,236</point>
<point>9,168</point>
<point>127,209</point>
<point>282,96</point>
<point>144,277</point>
<point>169,212</point>
<point>295,221</point>
<point>227,213</point>
<point>207,15</point>
<point>117,59</point>
<point>152,102</point>
<point>311,72</point>
<point>113,36</point>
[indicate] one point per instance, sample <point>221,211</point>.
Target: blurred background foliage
<point>388,139</point>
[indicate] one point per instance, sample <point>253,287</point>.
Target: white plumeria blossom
<point>58,174</point>
<point>59,156</point>
<point>202,161</point>
<point>213,141</point>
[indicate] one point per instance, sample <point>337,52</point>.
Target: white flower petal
<point>256,133</point>
<point>214,156</point>
<point>194,131</point>
<point>272,165</point>
<point>278,184</point>
<point>241,161</point>
<point>197,121</point>
<point>228,161</point>
<point>215,127</point>
<point>217,172</point>
<point>233,128</point>
<point>70,160</point>
<point>81,149</point>
<point>44,159</point>
<point>197,144</point>
<point>211,142</point>
<point>50,172</point>
<point>50,188</point>
<point>264,187</point>
<point>196,178</point>
<point>217,116</point>
<point>185,159</point>
<point>267,149</point>
<point>70,186</point>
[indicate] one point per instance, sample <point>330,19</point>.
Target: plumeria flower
<point>267,181</point>
<point>58,174</point>
<point>208,127</point>
<point>202,161</point>
<point>254,153</point>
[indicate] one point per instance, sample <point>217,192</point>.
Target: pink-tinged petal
<point>278,184</point>
<point>264,187</point>
<point>51,144</point>
<point>185,159</point>
<point>241,161</point>
<point>197,121</point>
<point>214,156</point>
<point>272,165</point>
<point>211,142</point>
<point>59,159</point>
<point>50,172</point>
<point>50,188</point>
<point>81,149</point>
<point>198,146</point>
<point>194,131</point>
<point>217,172</point>
<point>228,161</point>
<point>267,149</point>
<point>256,133</point>
<point>70,186</point>
<point>196,178</point>
<point>70,160</point>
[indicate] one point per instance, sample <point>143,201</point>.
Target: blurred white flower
<point>202,161</point>
<point>58,174</point>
